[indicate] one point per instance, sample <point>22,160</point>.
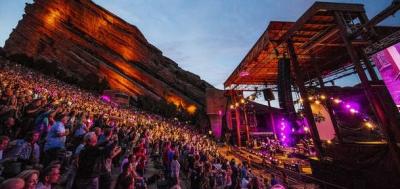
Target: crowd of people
<point>55,135</point>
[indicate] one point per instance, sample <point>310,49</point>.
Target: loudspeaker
<point>268,94</point>
<point>284,85</point>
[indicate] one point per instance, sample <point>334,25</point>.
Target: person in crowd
<point>175,183</point>
<point>25,150</point>
<point>4,140</point>
<point>33,106</point>
<point>30,177</point>
<point>125,179</point>
<point>244,183</point>
<point>91,160</point>
<point>55,141</point>
<point>13,183</point>
<point>175,168</point>
<point>274,180</point>
<point>129,159</point>
<point>49,177</point>
<point>8,128</point>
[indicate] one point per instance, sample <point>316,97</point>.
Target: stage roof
<point>316,39</point>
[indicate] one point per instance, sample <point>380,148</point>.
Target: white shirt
<point>244,184</point>
<point>175,167</point>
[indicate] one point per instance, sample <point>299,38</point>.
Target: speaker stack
<point>284,86</point>
<point>268,94</point>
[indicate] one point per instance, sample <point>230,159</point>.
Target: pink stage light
<point>244,73</point>
<point>106,98</point>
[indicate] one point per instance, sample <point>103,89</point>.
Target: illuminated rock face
<point>84,38</point>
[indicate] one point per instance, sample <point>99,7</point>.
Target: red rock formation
<point>84,38</point>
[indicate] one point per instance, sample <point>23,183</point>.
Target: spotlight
<point>232,106</point>
<point>310,98</point>
<point>369,125</point>
<point>353,111</point>
<point>306,129</point>
<point>317,102</point>
<point>337,101</point>
<point>237,104</point>
<point>242,101</point>
<point>323,97</point>
<point>329,142</point>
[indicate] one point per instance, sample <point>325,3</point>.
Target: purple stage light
<point>106,98</point>
<point>285,133</point>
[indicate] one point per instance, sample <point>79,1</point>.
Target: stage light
<point>237,104</point>
<point>329,142</point>
<point>323,97</point>
<point>310,98</point>
<point>369,125</point>
<point>306,129</point>
<point>317,102</point>
<point>292,130</point>
<point>242,101</point>
<point>232,106</point>
<point>337,101</point>
<point>353,111</point>
<point>348,106</point>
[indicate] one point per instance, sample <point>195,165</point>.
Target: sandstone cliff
<point>84,38</point>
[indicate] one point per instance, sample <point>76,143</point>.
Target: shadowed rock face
<point>83,38</point>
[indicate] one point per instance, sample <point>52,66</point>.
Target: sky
<point>206,37</point>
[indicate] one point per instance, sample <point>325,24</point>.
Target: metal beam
<point>382,109</point>
<point>390,10</point>
<point>306,104</point>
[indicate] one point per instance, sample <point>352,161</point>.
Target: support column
<point>237,114</point>
<point>303,92</point>
<point>369,67</point>
<point>328,103</point>
<point>271,115</point>
<point>228,118</point>
<point>363,20</point>
<point>246,122</point>
<point>386,118</point>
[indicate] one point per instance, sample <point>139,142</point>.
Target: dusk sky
<point>207,37</point>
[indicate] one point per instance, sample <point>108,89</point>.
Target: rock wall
<point>84,38</point>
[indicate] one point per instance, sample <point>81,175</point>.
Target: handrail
<point>296,176</point>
